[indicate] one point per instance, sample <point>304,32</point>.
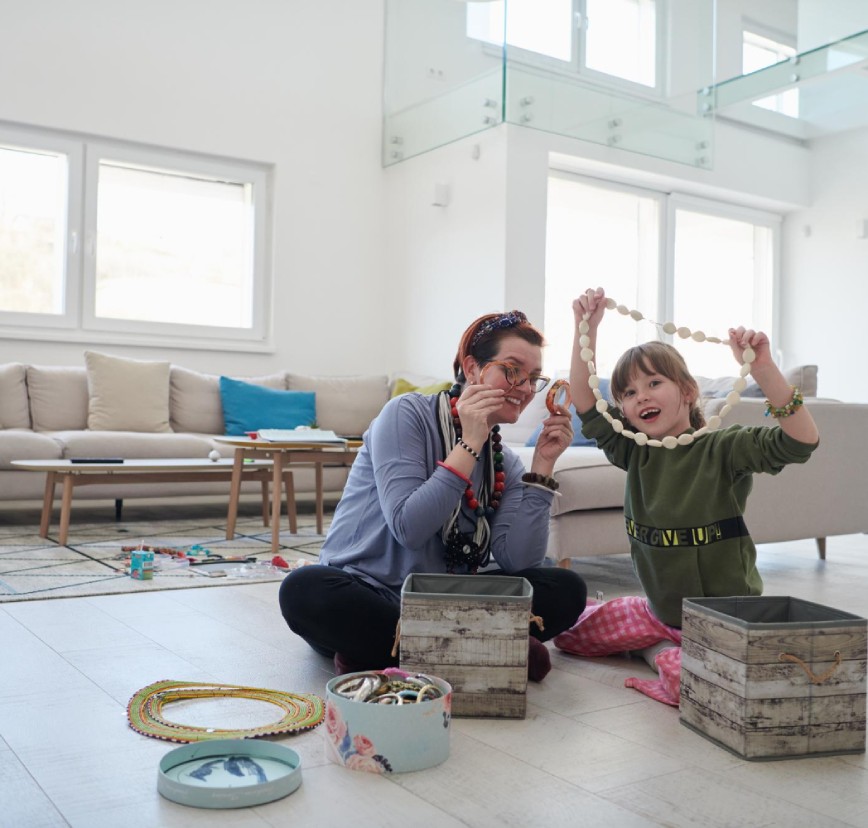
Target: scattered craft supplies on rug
<point>96,561</point>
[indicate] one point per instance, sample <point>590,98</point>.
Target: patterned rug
<point>96,559</point>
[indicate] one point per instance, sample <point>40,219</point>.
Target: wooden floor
<point>590,752</point>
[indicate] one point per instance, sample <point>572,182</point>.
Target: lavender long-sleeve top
<point>388,522</point>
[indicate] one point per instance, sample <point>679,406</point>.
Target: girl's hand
<point>592,302</point>
<point>555,437</point>
<point>742,338</point>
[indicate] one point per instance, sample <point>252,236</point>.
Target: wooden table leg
<point>276,490</point>
<point>266,503</point>
<point>289,485</point>
<point>65,508</point>
<point>234,493</point>
<point>47,503</point>
<point>318,466</point>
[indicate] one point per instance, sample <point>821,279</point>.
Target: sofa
<point>115,407</point>
<point>129,408</point>
<point>822,498</point>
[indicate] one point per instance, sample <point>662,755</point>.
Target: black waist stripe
<point>720,530</point>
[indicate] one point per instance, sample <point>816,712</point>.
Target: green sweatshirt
<point>683,508</point>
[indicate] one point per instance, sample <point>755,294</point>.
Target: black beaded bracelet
<point>541,479</point>
<point>468,448</point>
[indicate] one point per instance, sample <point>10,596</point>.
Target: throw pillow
<point>126,394</point>
<point>194,399</point>
<point>345,405</point>
<point>248,407</point>
<point>579,439</point>
<point>403,386</point>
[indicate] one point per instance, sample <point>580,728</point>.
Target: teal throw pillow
<point>249,407</point>
<point>579,439</point>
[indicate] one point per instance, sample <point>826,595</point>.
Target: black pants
<point>337,612</point>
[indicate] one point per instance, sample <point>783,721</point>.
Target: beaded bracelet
<point>789,409</point>
<point>541,479</point>
<point>464,445</point>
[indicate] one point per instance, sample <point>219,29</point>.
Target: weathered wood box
<point>472,631</point>
<point>774,677</point>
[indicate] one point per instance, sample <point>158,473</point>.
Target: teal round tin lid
<point>228,773</point>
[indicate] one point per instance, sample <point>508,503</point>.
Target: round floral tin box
<point>387,721</point>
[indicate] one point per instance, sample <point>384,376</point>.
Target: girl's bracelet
<point>789,409</point>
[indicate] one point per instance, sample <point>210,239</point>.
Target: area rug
<point>96,559</point>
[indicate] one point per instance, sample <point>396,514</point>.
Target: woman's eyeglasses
<point>515,377</point>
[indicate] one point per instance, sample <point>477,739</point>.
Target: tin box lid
<point>228,773</point>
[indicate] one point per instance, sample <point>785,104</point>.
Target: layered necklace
<point>670,441</point>
<point>471,549</point>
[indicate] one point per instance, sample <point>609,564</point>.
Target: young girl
<point>683,506</point>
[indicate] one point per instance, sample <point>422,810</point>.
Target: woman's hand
<point>555,437</point>
<point>477,403</point>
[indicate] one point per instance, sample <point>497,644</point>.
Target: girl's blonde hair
<point>657,358</point>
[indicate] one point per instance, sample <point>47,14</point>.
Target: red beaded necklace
<point>496,448</point>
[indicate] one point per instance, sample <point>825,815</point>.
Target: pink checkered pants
<point>624,624</point>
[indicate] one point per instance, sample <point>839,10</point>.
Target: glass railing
<point>440,85</point>
<point>832,84</point>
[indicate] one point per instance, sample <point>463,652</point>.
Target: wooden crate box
<point>472,631</point>
<point>774,677</point>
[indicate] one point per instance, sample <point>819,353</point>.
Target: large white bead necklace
<point>669,442</point>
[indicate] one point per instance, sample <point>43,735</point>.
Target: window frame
<point>670,200</point>
<point>78,322</point>
<point>576,68</point>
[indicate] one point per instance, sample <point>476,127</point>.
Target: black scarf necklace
<point>470,549</point>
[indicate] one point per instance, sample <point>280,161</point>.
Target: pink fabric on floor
<point>666,687</point>
<point>624,624</point>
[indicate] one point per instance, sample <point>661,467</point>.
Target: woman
<point>434,490</point>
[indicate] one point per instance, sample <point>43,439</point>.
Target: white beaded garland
<point>669,441</point>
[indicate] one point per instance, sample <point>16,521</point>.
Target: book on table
<point>303,436</point>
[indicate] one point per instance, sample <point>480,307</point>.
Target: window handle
<point>73,242</point>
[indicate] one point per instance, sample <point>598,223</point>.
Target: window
<point>610,40</point>
<point>759,51</point>
<point>702,264</point>
<point>33,199</point>
<point>110,241</point>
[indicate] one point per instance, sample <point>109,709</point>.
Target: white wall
<point>446,264</point>
<point>292,83</point>
<point>825,293</point>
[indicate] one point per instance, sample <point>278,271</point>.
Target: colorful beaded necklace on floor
<point>471,549</point>
<point>670,441</point>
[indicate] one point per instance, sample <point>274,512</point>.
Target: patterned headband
<point>504,320</point>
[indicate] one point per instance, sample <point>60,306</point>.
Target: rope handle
<point>815,679</point>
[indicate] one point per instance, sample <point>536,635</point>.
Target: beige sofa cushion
<point>345,405</point>
<point>21,444</point>
<point>134,444</point>
<point>58,397</point>
<point>14,407</point>
<point>586,480</point>
<point>126,394</point>
<point>194,399</point>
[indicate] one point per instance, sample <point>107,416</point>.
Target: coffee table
<point>284,456</point>
<point>179,470</point>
